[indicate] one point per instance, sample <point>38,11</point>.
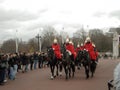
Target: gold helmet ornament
<point>70,42</point>
<point>78,45</point>
<point>67,40</point>
<point>55,40</point>
<point>88,39</point>
<point>81,44</point>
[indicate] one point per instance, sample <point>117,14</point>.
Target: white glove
<point>69,52</point>
<point>86,50</point>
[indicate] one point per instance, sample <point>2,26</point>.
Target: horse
<point>89,65</point>
<point>68,63</point>
<point>83,58</point>
<point>53,62</point>
<point>78,59</point>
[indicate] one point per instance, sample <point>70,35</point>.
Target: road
<point>40,79</point>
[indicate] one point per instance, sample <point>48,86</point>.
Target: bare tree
<point>8,46</point>
<point>79,36</point>
<point>48,35</point>
<point>32,45</point>
<point>102,42</point>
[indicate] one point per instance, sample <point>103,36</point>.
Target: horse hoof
<point>60,73</point>
<point>55,76</point>
<point>66,78</point>
<point>87,76</point>
<point>52,77</point>
<point>92,76</point>
<point>70,76</point>
<point>73,76</point>
<point>78,68</point>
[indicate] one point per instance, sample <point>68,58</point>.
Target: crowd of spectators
<point>11,64</point>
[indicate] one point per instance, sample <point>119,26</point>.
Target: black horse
<point>89,65</point>
<point>68,63</point>
<point>53,62</point>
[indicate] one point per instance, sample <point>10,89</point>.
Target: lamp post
<point>62,35</point>
<point>39,42</point>
<point>16,42</point>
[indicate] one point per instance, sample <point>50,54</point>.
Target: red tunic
<point>89,47</point>
<point>81,47</point>
<point>56,49</point>
<point>70,47</point>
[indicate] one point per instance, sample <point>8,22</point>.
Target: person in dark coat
<point>31,61</point>
<point>35,60</point>
<point>3,65</point>
<point>40,61</point>
<point>24,62</point>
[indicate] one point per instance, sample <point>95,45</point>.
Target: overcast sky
<point>28,16</point>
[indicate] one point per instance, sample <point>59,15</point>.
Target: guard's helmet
<point>55,41</point>
<point>70,42</point>
<point>85,42</point>
<point>67,40</point>
<point>78,45</point>
<point>93,45</point>
<point>81,44</point>
<point>88,39</point>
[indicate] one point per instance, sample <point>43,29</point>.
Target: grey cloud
<point>11,19</point>
<point>99,14</point>
<point>43,10</point>
<point>5,35</point>
<point>34,26</point>
<point>115,14</point>
<point>1,1</point>
<point>9,25</point>
<point>66,12</point>
<point>7,15</point>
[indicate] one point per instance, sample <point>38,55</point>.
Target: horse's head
<point>66,53</point>
<point>79,54</point>
<point>66,56</point>
<point>85,52</point>
<point>50,52</point>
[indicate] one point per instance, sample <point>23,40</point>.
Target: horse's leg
<point>69,69</point>
<point>78,66</point>
<point>66,71</point>
<point>57,69</point>
<point>86,71</point>
<point>93,68</point>
<point>60,68</point>
<point>80,63</point>
<point>52,72</point>
<point>73,68</point>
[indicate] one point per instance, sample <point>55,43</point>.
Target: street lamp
<point>39,40</point>
<point>16,42</point>
<point>62,35</point>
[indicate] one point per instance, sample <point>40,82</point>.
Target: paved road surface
<point>40,79</point>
